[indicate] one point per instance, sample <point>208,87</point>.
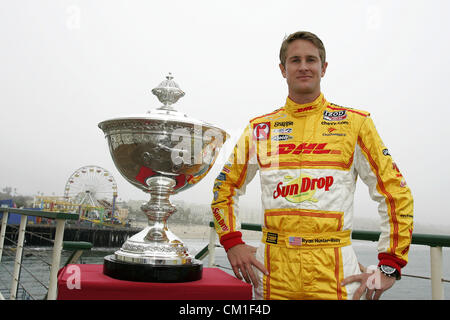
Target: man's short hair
<point>302,35</point>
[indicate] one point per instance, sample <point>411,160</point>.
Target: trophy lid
<point>168,92</point>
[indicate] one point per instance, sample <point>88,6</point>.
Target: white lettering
<point>74,280</point>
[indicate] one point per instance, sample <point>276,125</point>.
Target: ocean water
<point>35,273</point>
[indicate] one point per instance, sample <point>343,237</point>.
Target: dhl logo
<point>302,188</point>
<point>305,109</point>
<point>304,148</point>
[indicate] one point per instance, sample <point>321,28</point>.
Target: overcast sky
<point>67,65</point>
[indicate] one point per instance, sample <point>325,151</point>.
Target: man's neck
<point>303,98</point>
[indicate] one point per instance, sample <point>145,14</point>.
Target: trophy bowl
<point>162,152</point>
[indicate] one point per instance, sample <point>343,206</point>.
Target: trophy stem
<point>155,254</point>
<point>159,208</point>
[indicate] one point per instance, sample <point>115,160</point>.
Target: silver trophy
<point>162,153</point>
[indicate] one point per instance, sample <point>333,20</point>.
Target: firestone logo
<point>303,188</point>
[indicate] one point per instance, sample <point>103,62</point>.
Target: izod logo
<point>302,188</point>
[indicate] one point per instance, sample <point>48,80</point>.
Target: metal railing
<point>435,242</point>
<point>60,219</point>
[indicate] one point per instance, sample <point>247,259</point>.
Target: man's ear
<point>283,70</point>
<point>324,68</point>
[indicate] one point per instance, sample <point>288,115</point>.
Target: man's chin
<point>304,90</point>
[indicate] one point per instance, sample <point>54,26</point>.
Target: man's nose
<point>303,66</point>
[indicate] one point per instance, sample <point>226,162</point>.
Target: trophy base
<point>150,272</point>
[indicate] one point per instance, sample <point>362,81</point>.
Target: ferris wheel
<point>91,185</point>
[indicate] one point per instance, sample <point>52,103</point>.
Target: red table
<point>87,282</point>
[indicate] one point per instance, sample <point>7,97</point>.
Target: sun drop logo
<point>301,189</point>
<point>219,219</point>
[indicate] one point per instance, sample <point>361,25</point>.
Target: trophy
<point>162,153</point>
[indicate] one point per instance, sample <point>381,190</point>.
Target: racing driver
<point>309,154</point>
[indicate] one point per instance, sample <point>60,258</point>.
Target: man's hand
<point>242,258</point>
<point>373,293</point>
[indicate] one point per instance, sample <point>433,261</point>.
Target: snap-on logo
<point>302,188</point>
<point>261,130</point>
<point>303,148</point>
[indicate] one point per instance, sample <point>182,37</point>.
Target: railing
<point>435,242</point>
<point>60,219</point>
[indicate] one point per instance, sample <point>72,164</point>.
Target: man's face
<point>303,68</point>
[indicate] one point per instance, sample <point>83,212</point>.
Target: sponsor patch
<point>221,177</point>
<point>301,189</point>
<point>331,132</point>
<point>282,137</point>
<point>327,123</point>
<point>386,152</point>
<point>304,109</point>
<point>283,130</point>
<point>272,238</point>
<point>335,115</point>
<point>261,131</point>
<point>219,219</point>
<point>303,148</point>
<point>283,124</point>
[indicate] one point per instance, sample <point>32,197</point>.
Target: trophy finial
<point>168,92</point>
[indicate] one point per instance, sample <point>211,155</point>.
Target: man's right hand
<point>242,258</point>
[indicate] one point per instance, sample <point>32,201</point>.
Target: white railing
<point>60,219</point>
<point>435,242</point>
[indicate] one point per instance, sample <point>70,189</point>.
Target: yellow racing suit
<point>309,157</point>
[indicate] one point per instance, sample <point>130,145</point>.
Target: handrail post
<point>3,232</point>
<point>212,247</point>
<point>437,289</point>
<point>18,260</point>
<point>56,259</point>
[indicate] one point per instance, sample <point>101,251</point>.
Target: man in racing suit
<point>309,154</point>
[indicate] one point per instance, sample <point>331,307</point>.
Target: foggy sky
<point>67,65</point>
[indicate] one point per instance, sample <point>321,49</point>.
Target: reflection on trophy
<point>161,152</point>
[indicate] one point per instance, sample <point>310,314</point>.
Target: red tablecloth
<point>87,282</point>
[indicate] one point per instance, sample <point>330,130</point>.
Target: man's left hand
<point>384,284</point>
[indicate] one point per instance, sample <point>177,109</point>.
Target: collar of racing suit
<point>300,110</point>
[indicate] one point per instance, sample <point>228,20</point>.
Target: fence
<point>435,242</point>
<point>60,219</point>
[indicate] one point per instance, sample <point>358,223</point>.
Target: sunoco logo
<point>302,188</point>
